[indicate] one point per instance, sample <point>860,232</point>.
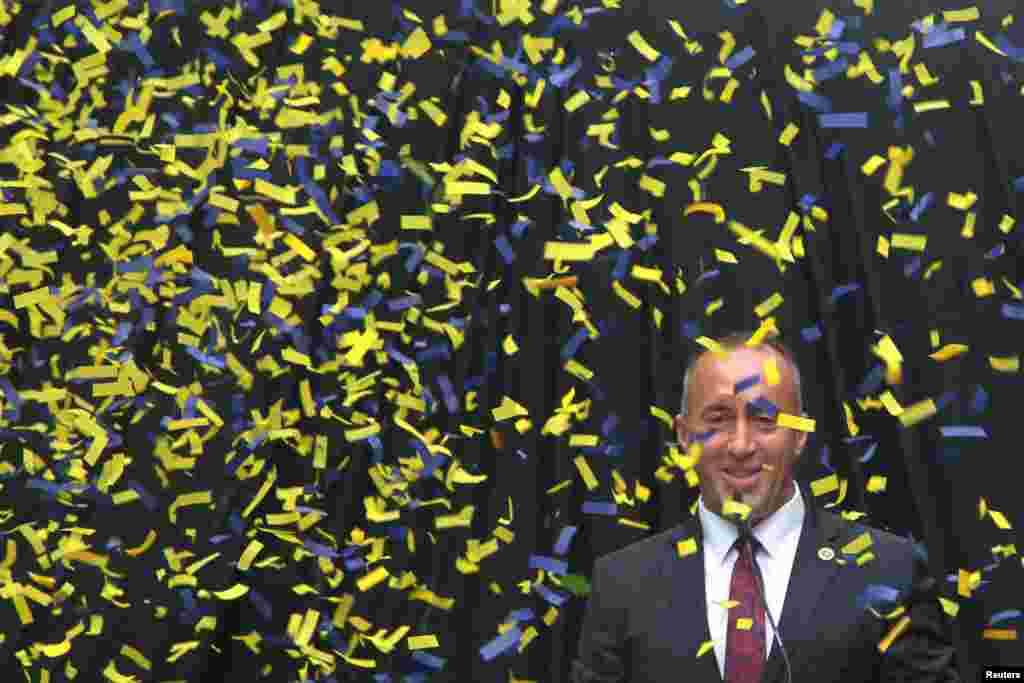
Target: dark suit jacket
<point>647,613</point>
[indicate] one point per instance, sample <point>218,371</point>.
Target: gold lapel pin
<point>826,553</point>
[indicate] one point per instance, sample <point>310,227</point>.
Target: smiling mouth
<point>742,478</point>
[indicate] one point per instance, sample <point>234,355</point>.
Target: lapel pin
<point>826,553</point>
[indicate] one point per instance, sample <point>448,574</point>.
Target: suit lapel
<point>686,578</point>
<point>807,581</point>
<point>810,575</point>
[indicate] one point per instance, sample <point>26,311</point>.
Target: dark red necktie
<point>745,648</point>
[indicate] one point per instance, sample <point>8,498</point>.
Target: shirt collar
<point>720,534</point>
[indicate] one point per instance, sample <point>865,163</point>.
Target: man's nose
<point>742,441</point>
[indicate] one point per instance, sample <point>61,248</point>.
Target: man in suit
<point>851,602</point>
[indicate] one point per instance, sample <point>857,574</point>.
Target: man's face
<point>744,440</point>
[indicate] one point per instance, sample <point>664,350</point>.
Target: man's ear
<point>681,430</point>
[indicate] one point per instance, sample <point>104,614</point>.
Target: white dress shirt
<point>779,535</point>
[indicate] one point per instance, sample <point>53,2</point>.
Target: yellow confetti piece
<point>63,15</point>
<point>686,547</point>
<point>583,467</point>
<point>725,256</point>
<point>508,409</point>
<point>999,519</point>
<point>895,632</point>
<point>977,94</point>
<point>1005,363</point>
<point>949,351</point>
<point>577,100</point>
<point>967,582</point>
<point>962,202</point>
<point>186,499</point>
<point>706,207</point>
<point>967,14</point>
<point>768,305</point>
<point>374,577</point>
<point>825,485</point>
<point>1006,224</point>
<point>710,344</point>
<point>652,185</point>
<point>705,647</point>
<point>568,251</point>
<point>909,242</point>
<point>631,300</point>
<point>423,642</point>
<point>732,508</point>
<point>949,607</point>
<point>744,623</point>
<point>789,134</point>
<point>931,105</point>
<point>642,46</point>
<point>858,545</point>
<point>803,424</point>
<point>917,412</point>
<point>876,484</point>
<point>999,634</point>
<point>233,593</point>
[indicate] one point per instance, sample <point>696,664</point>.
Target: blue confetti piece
<point>746,383</point>
<point>878,596</point>
<point>964,431</point>
<point>600,508</point>
<point>979,402</point>
<point>842,290</point>
<point>761,405</point>
<point>936,38</point>
<point>426,659</point>
<point>834,150</point>
<point>740,58</point>
<point>501,644</point>
<point>709,275</point>
<point>549,564</point>
<point>621,264</point>
<point>1012,51</point>
<point>911,267</point>
<point>508,255</point>
<point>995,252</point>
<point>825,460</point>
<point>944,400</point>
<point>550,596</point>
<point>807,201</point>
<point>1000,617</point>
<point>565,537</point>
<point>895,89</point>
<point>845,120</point>
<point>261,604</point>
<point>689,329</point>
<point>817,102</point>
<point>1013,311</point>
<point>922,205</point>
<point>869,454</point>
<point>811,334</point>
<point>570,347</point>
<point>831,70</point>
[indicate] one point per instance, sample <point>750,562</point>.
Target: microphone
<point>746,535</point>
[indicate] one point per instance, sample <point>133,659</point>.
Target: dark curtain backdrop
<point>393,437</point>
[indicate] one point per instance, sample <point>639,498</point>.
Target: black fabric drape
<point>515,615</point>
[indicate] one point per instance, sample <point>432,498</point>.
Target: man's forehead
<point>742,370</point>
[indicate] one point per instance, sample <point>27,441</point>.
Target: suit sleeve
<point>601,655</point>
<point>924,652</point>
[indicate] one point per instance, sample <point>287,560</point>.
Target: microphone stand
<point>747,537</point>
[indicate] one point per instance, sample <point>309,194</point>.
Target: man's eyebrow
<point>717,404</point>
